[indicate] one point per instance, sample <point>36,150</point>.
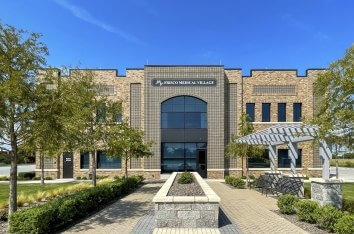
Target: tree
<point>334,92</point>
<point>21,55</point>
<point>47,135</point>
<point>125,142</point>
<point>245,151</point>
<point>86,126</point>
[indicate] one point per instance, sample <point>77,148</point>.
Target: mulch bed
<point>309,227</point>
<point>192,189</point>
<point>3,227</point>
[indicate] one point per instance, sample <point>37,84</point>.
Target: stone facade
<point>142,103</point>
<point>327,192</point>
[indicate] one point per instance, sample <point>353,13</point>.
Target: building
<point>190,112</point>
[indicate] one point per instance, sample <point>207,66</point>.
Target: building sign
<point>184,82</point>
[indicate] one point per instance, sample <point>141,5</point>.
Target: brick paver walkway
<point>121,216</point>
<point>251,211</point>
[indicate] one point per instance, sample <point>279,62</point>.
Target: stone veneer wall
<point>135,89</point>
<point>327,192</point>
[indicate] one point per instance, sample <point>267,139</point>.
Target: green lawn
<point>348,190</point>
<point>28,189</point>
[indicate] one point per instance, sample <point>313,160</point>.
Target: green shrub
<point>235,182</point>
<point>327,216</point>
<point>51,216</point>
<point>36,178</point>
<point>348,205</point>
<point>345,225</point>
<point>78,178</point>
<point>252,177</point>
<point>243,177</point>
<point>238,183</point>
<point>3,214</point>
<point>26,175</point>
<point>4,178</point>
<point>348,156</point>
<point>84,178</point>
<point>186,178</point>
<point>48,178</point>
<point>286,203</point>
<point>306,210</point>
<point>101,177</point>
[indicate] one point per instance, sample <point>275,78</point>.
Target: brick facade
<point>142,102</point>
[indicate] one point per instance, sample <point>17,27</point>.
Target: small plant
<point>345,225</point>
<point>235,182</point>
<point>327,216</point>
<point>348,205</point>
<point>286,204</point>
<point>307,192</point>
<point>252,177</point>
<point>186,178</point>
<point>306,210</point>
<point>78,178</point>
<point>84,178</point>
<point>36,178</point>
<point>26,175</point>
<point>48,178</point>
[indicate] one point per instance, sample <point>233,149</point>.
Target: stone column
<point>327,192</point>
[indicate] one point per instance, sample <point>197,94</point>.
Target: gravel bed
<point>309,227</point>
<point>192,189</point>
<point>3,227</point>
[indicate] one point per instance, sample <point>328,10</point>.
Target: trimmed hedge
<point>327,216</point>
<point>235,182</point>
<point>305,209</point>
<point>348,205</point>
<point>58,213</point>
<point>26,175</point>
<point>345,225</point>
<point>286,204</point>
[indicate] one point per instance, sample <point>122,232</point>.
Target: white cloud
<point>84,15</point>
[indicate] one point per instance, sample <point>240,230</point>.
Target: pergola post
<point>326,155</point>
<point>293,154</point>
<point>272,156</point>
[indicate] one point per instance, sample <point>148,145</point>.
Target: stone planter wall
<point>327,192</point>
<point>186,211</point>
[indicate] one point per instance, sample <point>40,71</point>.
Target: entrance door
<point>202,162</point>
<point>68,165</point>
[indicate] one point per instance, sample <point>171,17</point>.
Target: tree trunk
<point>94,165</point>
<point>42,167</point>
<point>242,166</point>
<point>126,167</point>
<point>13,172</point>
<point>337,170</point>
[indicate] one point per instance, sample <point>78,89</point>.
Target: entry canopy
<point>289,134</point>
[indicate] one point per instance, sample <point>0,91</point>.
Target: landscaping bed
<point>192,189</point>
<point>60,212</point>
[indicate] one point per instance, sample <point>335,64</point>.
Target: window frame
<point>297,114</point>
<point>279,112</point>
<point>264,119</point>
<point>251,116</point>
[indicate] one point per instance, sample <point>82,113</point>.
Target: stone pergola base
<point>327,192</point>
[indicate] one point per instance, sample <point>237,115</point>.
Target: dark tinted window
<point>284,159</point>
<point>260,162</point>
<point>105,162</point>
<point>85,160</point>
<point>250,111</point>
<point>297,112</point>
<point>101,114</point>
<point>184,112</point>
<point>265,112</point>
<point>281,112</point>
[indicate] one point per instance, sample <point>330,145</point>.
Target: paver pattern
<point>121,216</point>
<point>252,211</point>
<point>186,231</point>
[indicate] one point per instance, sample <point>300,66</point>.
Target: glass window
<point>260,162</point>
<point>85,160</point>
<point>105,162</point>
<point>118,118</point>
<point>297,110</point>
<point>281,112</point>
<point>101,114</point>
<point>250,111</point>
<point>284,159</point>
<point>265,112</point>
<point>180,156</point>
<point>184,112</point>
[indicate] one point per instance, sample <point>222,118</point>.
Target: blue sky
<point>244,34</point>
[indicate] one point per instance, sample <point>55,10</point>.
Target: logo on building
<point>184,82</point>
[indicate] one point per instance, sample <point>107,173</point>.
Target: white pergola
<point>289,134</point>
